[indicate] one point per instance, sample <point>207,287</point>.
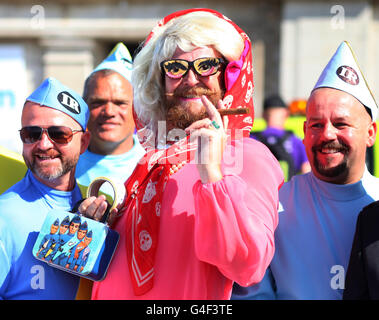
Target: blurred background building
<point>66,39</point>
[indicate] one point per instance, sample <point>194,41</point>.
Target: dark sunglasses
<point>205,67</point>
<point>57,134</point>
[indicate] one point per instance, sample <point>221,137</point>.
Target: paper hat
<point>83,226</point>
<point>118,60</point>
<point>66,221</point>
<point>53,94</point>
<point>76,219</point>
<point>343,73</point>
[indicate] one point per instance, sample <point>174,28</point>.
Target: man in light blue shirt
<point>114,149</point>
<point>54,121</point>
<point>318,210</point>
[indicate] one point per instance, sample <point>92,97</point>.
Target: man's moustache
<point>196,92</point>
<point>331,145</point>
<point>52,154</point>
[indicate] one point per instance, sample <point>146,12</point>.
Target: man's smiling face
<point>337,131</point>
<point>183,94</point>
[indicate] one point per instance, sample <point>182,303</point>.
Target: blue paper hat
<point>343,73</point>
<point>76,219</point>
<point>65,221</point>
<point>83,226</point>
<point>53,94</point>
<point>118,60</point>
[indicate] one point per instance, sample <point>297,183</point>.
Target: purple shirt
<point>293,145</point>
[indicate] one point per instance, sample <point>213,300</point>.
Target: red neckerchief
<point>146,185</point>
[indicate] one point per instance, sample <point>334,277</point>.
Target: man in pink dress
<point>201,207</point>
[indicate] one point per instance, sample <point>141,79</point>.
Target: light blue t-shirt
<point>115,167</point>
<point>313,240</point>
<point>23,209</point>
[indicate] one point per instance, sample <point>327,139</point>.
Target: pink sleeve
<point>236,217</point>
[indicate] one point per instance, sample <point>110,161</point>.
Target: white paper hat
<point>343,73</point>
<point>119,60</point>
